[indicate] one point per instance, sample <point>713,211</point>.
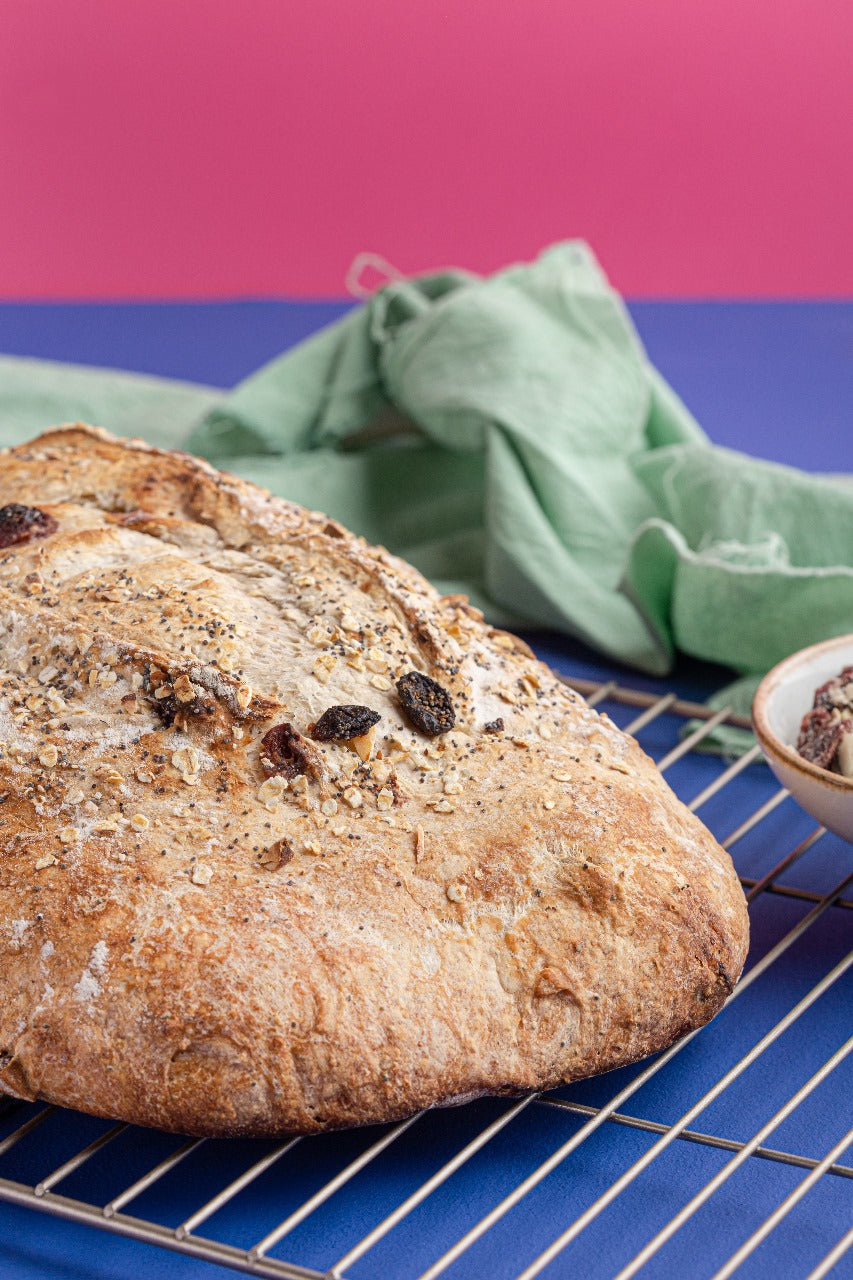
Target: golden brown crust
<point>188,943</point>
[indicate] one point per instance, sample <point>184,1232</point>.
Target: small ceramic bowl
<point>784,696</point>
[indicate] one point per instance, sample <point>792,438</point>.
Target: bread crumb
<point>186,760</point>
<point>271,792</point>
<point>365,744</point>
<point>105,826</point>
<point>441,806</point>
<point>323,667</point>
<point>202,874</point>
<point>376,660</point>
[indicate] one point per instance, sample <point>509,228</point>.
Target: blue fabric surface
<point>777,381</point>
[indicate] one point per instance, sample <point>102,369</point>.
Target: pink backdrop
<point>215,147</point>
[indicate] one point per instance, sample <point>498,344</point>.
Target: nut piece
<point>341,723</point>
<point>426,704</point>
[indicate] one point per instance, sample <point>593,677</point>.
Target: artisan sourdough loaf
<point>289,842</point>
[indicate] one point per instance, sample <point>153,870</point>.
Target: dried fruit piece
<point>826,732</point>
<point>341,723</point>
<point>283,752</point>
<point>820,735</point>
<point>19,524</point>
<point>427,705</point>
<point>832,693</point>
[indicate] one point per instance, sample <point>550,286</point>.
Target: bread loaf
<point>289,842</point>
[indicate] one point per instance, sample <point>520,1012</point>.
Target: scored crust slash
<point>290,842</point>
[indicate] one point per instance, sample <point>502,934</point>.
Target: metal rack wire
<point>186,1237</point>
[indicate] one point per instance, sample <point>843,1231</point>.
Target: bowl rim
<point>761,723</point>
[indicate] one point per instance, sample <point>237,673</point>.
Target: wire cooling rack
<point>723,1155</point>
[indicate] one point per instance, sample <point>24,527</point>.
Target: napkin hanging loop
<point>359,287</point>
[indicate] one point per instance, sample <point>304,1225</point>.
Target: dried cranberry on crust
<point>21,524</point>
<point>282,752</point>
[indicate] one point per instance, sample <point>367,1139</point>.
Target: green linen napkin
<point>509,436</point>
<point>36,394</point>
